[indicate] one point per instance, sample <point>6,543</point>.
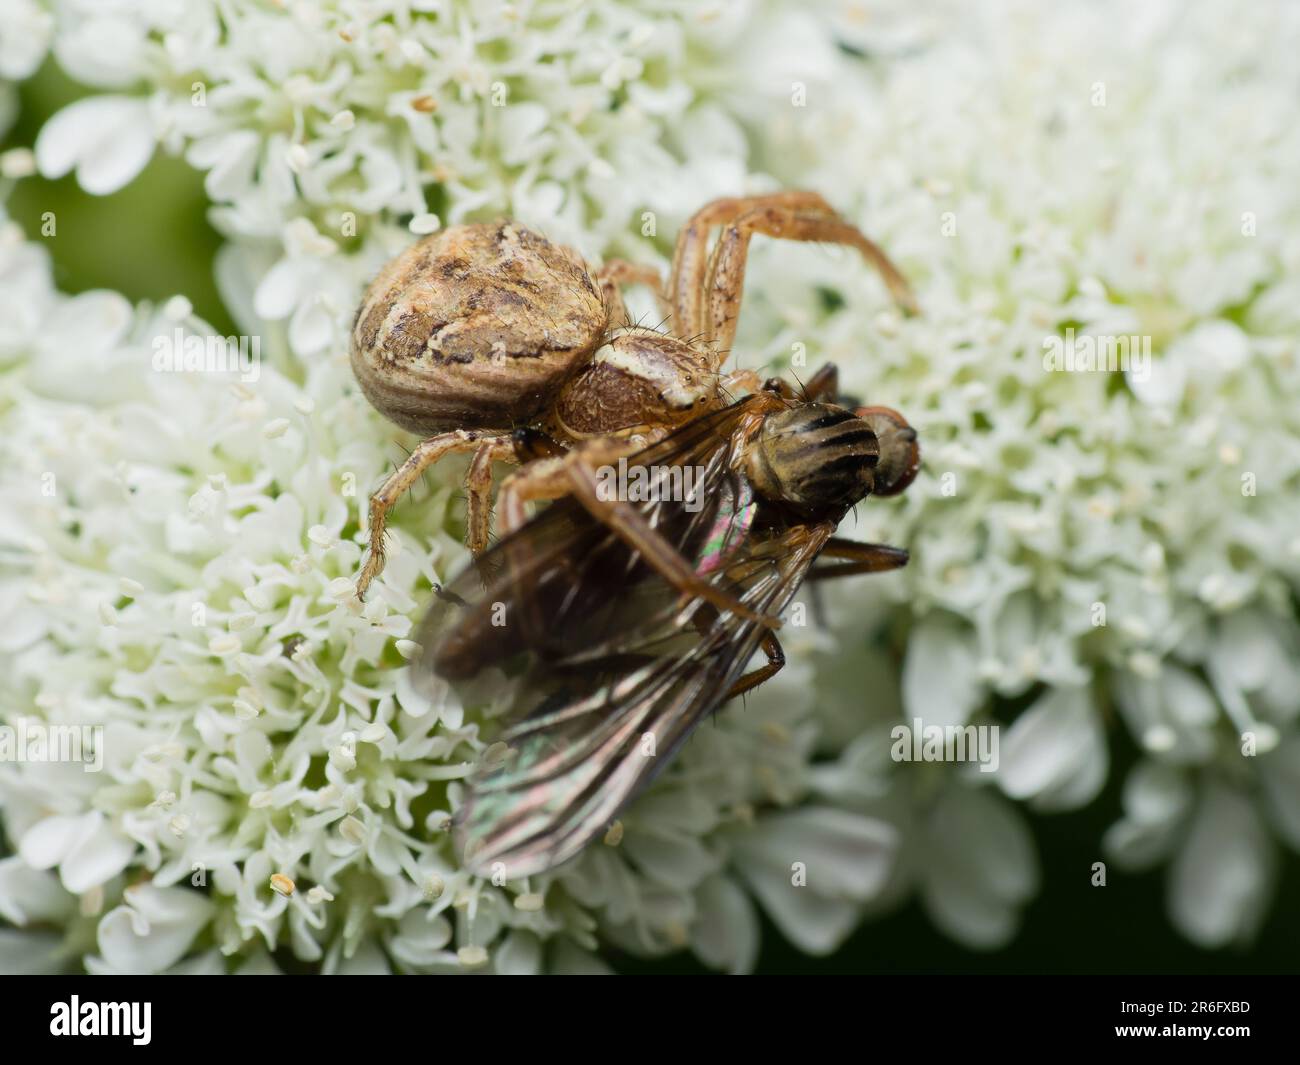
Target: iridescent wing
<point>563,580</point>
<point>602,719</point>
<point>613,668</point>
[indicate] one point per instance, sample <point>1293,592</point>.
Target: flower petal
<point>726,932</point>
<point>1051,747</point>
<point>178,916</point>
<point>980,867</point>
<point>940,683</point>
<point>1223,877</point>
<point>109,139</point>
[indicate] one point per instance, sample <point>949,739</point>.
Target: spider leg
<point>575,474</point>
<point>690,269</point>
<point>745,380</point>
<point>425,454</point>
<point>618,272</point>
<point>478,489</point>
<point>726,277</point>
<point>545,478</point>
<point>705,289</point>
<point>627,523</point>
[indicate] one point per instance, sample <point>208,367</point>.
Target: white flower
<point>108,139</point>
<point>30,954</point>
<point>940,681</point>
<point>1064,535</point>
<point>1157,798</point>
<point>978,866</point>
<point>726,931</point>
<point>1055,752</point>
<point>86,851</point>
<point>1222,879</point>
<point>812,868</point>
<point>29,895</point>
<point>150,931</point>
<point>303,288</point>
<point>25,34</point>
<point>1280,775</point>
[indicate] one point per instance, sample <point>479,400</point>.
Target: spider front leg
<point>630,525</point>
<point>690,269</point>
<point>545,478</point>
<point>576,474</point>
<point>705,290</point>
<point>742,380</point>
<point>617,272</point>
<point>426,453</point>
<point>727,268</point>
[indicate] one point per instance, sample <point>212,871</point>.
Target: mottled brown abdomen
<point>475,327</point>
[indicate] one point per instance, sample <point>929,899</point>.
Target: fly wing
<point>613,667</point>
<point>599,723</point>
<point>563,580</point>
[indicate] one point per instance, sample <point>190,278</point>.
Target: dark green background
<point>128,242</point>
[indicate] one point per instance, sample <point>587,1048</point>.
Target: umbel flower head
<point>180,539</point>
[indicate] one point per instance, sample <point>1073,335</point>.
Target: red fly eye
<point>894,433</point>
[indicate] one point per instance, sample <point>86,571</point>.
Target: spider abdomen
<point>479,325</point>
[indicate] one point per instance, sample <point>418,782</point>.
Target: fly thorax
<point>814,458</point>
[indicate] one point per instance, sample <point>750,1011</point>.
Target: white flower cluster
<point>178,549</point>
<point>1117,553</point>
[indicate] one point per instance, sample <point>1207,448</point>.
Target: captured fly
<point>626,623</point>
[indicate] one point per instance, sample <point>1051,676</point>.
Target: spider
<point>487,338</point>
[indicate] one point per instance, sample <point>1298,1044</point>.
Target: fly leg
<point>707,616</point>
<point>824,384</point>
<point>765,672</point>
<point>859,558</point>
